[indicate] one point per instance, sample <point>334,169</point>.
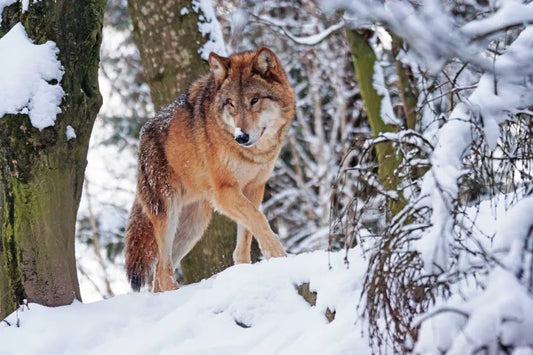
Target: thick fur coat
<point>214,146</point>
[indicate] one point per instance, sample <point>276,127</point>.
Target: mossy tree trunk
<point>169,41</point>
<point>41,173</point>
<point>364,60</point>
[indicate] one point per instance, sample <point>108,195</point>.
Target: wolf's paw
<point>240,257</point>
<point>273,249</point>
<point>171,286</point>
<point>165,283</point>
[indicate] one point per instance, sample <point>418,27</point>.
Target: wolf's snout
<point>243,138</point>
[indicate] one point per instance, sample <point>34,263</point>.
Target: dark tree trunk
<point>41,173</point>
<point>169,44</point>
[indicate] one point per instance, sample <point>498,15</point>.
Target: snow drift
<point>245,309</point>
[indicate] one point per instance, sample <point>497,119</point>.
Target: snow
<point>440,184</point>
<point>70,133</point>
<point>204,318</point>
<point>430,30</point>
<point>512,234</point>
<point>378,82</point>
<point>316,38</point>
<point>487,263</point>
<point>511,13</point>
<point>239,20</point>
<point>209,28</point>
<point>27,77</point>
<point>460,326</point>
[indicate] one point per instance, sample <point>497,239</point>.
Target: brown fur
<point>189,160</point>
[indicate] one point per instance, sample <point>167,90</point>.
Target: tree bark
<point>41,173</point>
<point>169,42</point>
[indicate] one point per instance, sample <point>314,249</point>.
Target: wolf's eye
<point>254,101</point>
<point>228,102</point>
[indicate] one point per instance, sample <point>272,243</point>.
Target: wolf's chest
<point>246,172</point>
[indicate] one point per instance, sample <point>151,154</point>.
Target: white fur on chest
<point>244,172</point>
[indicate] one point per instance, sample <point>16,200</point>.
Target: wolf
<point>215,146</point>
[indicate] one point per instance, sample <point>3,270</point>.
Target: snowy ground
<point>245,309</point>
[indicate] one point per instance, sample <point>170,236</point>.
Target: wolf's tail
<point>141,247</point>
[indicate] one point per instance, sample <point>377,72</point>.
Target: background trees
<point>41,170</point>
<point>412,151</point>
<point>444,236</point>
<point>298,197</point>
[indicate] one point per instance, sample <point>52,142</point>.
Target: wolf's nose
<point>242,138</point>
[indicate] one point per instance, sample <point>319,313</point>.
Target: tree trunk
<point>364,59</point>
<point>169,45</point>
<point>169,42</point>
<point>41,173</point>
<point>406,85</point>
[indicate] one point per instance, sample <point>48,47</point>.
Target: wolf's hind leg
<point>165,226</point>
<point>194,219</point>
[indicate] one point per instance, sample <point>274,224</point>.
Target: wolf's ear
<point>266,63</point>
<point>219,65</point>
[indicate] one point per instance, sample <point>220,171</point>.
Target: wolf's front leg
<point>241,254</point>
<point>230,201</point>
<point>254,193</point>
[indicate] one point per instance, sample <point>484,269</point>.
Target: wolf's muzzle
<point>243,138</point>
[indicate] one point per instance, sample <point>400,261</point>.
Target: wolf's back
<point>141,248</point>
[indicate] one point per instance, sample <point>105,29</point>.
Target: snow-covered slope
<point>245,309</point>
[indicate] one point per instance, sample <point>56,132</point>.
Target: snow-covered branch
<point>311,40</point>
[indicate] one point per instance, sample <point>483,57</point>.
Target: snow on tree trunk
<point>41,171</point>
<point>170,37</point>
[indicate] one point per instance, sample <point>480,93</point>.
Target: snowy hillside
<point>245,309</point>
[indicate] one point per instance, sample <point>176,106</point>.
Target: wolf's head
<point>254,98</point>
